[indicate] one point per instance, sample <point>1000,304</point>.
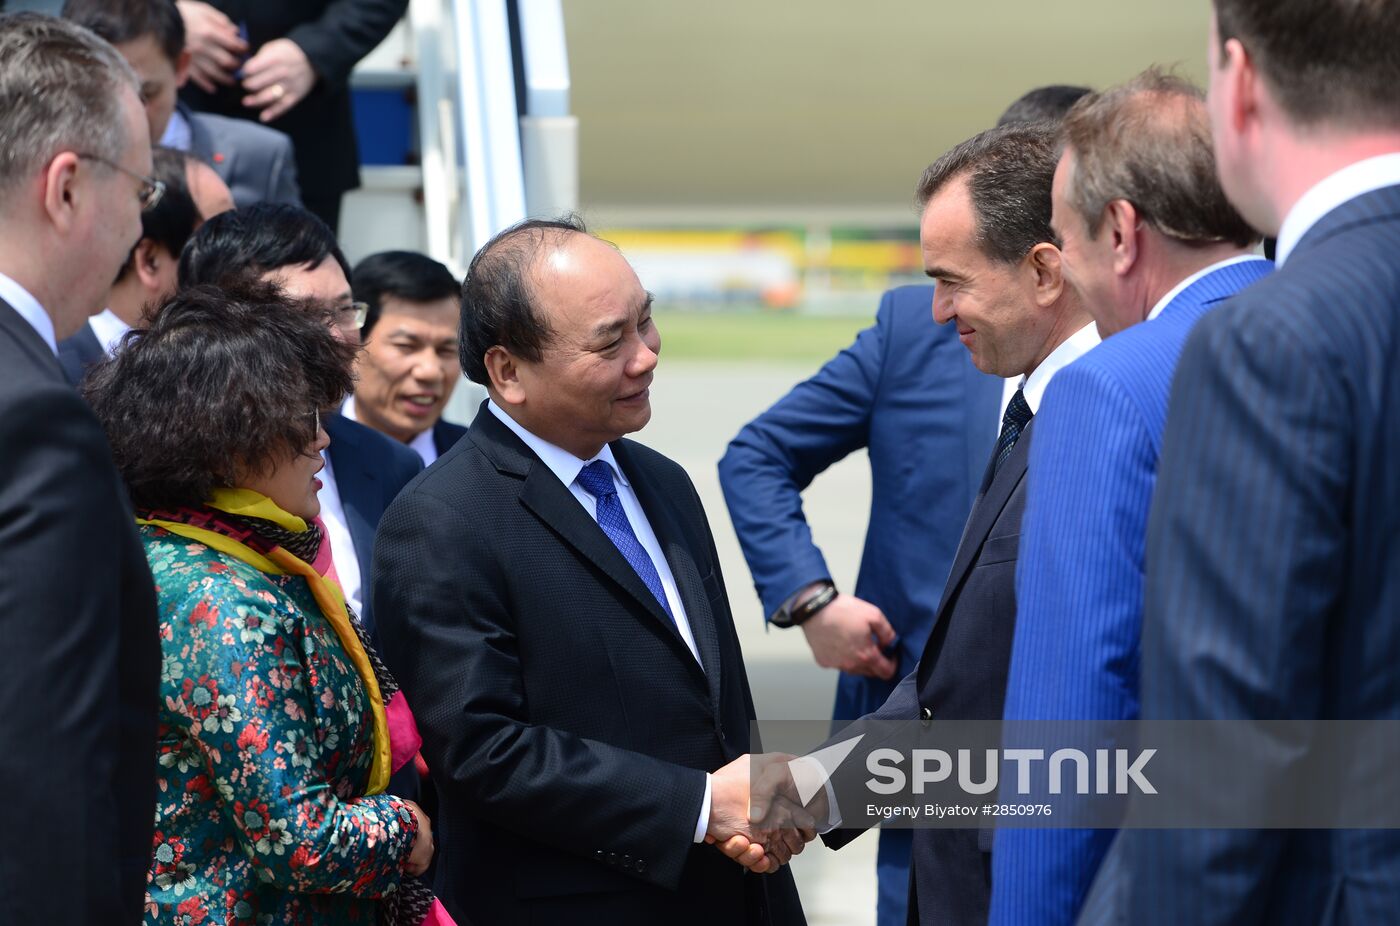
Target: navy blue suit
<point>370,470</point>
<point>907,391</point>
<point>1273,566</point>
<point>445,434</point>
<point>79,352</point>
<point>1079,585</point>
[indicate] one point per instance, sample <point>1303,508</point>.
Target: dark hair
<point>121,21</point>
<point>405,275</point>
<point>256,240</point>
<point>1043,104</point>
<point>1009,172</point>
<point>1148,142</point>
<point>219,379</point>
<point>174,218</point>
<point>498,306</point>
<point>1327,60</point>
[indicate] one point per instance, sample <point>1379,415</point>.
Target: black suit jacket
<point>80,660</point>
<point>370,471</point>
<point>335,35</point>
<point>567,725</point>
<point>960,676</point>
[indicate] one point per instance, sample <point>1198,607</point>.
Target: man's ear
<point>1241,85</point>
<point>1046,266</point>
<point>148,258</point>
<point>62,190</point>
<point>182,68</point>
<point>504,371</point>
<point>1121,224</point>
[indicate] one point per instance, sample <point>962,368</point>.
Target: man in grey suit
<point>1273,559</point>
<point>255,161</point>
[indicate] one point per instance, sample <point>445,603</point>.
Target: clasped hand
<point>756,816</point>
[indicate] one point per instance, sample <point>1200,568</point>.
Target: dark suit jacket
<point>961,675</point>
<point>446,434</point>
<point>257,162</point>
<point>335,35</point>
<point>370,471</point>
<point>567,725</point>
<point>80,663</point>
<point>907,391</point>
<point>78,352</point>
<point>1273,566</point>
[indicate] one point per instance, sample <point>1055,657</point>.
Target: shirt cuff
<point>702,825</point>
<point>807,774</point>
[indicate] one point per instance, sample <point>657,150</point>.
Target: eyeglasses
<point>151,189</point>
<point>356,311</point>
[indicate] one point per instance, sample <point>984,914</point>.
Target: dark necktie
<point>597,480</point>
<point>1018,413</point>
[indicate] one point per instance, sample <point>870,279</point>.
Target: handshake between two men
<point>758,816</point>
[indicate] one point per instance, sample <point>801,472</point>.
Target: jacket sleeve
<point>1074,655</point>
<point>346,32</point>
<point>244,705</point>
<point>449,634</point>
<point>780,452</point>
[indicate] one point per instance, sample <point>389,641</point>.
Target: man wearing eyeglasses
<point>80,660</point>
<point>364,469</point>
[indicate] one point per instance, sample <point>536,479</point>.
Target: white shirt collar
<point>560,461</point>
<point>1181,287</point>
<point>29,309</point>
<point>178,133</point>
<point>422,442</point>
<point>109,329</point>
<point>1341,187</point>
<point>1074,347</point>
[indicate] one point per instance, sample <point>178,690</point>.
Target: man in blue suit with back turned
<point>1273,559</point>
<point>907,391</point>
<point>1151,245</point>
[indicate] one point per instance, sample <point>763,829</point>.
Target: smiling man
<point>553,606</point>
<point>409,366</point>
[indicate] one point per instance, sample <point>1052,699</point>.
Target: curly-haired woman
<point>275,741</point>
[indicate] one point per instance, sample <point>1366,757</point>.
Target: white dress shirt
<point>566,468</point>
<point>1341,187</point>
<point>29,309</point>
<point>347,564</point>
<point>423,444</point>
<point>178,134</point>
<point>109,330</point>
<point>1074,347</point>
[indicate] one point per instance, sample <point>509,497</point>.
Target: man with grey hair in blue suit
<point>1151,245</point>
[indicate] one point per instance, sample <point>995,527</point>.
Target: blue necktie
<point>1018,413</point>
<point>597,480</point>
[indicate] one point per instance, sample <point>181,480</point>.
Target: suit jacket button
<point>925,716</point>
<point>639,866</point>
<point>598,854</point>
<point>612,858</point>
<point>626,862</point>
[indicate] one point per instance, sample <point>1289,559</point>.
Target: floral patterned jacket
<point>263,756</point>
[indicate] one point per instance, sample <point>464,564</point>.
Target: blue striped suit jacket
<point>1273,567</point>
<point>1079,585</point>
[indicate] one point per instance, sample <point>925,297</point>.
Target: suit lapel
<point>30,341</point>
<point>676,546</point>
<point>985,513</point>
<point>552,502</point>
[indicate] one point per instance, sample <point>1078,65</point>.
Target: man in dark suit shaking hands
<point>552,604</point>
<point>1273,559</point>
<point>80,660</point>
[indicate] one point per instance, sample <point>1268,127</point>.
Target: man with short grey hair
<point>80,661</point>
<point>1152,245</point>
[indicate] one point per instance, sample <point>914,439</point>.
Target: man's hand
<point>277,78</point>
<point>849,634</point>
<point>760,851</point>
<point>213,42</point>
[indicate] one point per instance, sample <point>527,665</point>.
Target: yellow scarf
<point>249,504</point>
